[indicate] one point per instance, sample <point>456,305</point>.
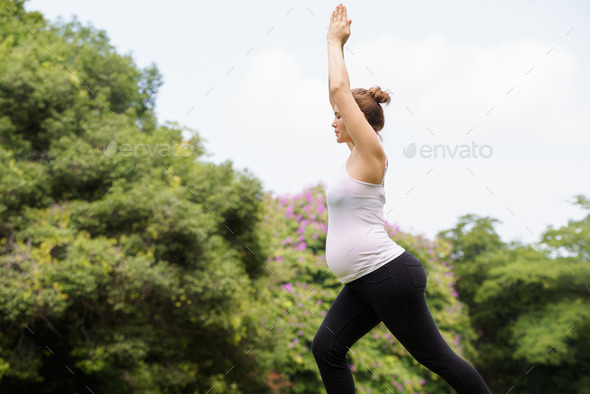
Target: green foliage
<point>123,271</point>
<point>528,303</point>
<point>575,237</point>
<point>471,238</point>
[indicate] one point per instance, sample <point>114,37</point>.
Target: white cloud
<point>274,97</point>
<point>280,123</point>
<point>454,86</point>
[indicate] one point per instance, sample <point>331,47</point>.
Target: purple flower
<point>296,340</point>
<point>422,381</point>
<point>289,212</point>
<point>279,259</point>
<point>454,293</point>
<point>301,228</point>
<point>288,287</point>
<point>286,241</point>
<point>300,333</point>
<point>301,246</point>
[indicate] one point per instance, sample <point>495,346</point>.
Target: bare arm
<point>337,74</point>
<point>331,100</point>
<point>338,34</point>
<point>364,137</point>
<point>329,88</point>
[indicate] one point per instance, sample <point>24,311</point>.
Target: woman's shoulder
<point>367,168</point>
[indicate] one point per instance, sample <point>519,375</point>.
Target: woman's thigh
<point>396,295</point>
<point>348,319</point>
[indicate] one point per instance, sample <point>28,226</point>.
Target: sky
<point>490,100</point>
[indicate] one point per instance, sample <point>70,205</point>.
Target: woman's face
<point>340,128</point>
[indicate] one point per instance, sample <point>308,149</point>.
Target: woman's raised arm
<point>362,134</point>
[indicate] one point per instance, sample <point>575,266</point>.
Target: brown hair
<point>368,101</point>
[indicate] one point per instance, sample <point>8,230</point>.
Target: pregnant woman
<point>382,281</point>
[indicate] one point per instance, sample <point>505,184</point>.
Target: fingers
<point>340,15</point>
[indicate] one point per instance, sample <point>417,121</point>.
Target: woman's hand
<point>339,29</point>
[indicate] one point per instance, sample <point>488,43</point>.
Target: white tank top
<point>357,242</point>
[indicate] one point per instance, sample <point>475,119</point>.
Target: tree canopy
<point>122,271</point>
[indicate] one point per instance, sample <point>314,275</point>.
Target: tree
<point>528,304</point>
<point>471,238</point>
<point>128,263</point>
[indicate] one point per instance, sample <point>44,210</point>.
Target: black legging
<point>393,294</point>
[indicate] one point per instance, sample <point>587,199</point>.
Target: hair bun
<point>379,95</point>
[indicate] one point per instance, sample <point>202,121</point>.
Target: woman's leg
<point>399,301</point>
<point>347,320</point>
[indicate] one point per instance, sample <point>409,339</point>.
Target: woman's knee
<point>318,345</point>
<point>324,348</point>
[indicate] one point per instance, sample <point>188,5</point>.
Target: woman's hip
<point>402,277</point>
